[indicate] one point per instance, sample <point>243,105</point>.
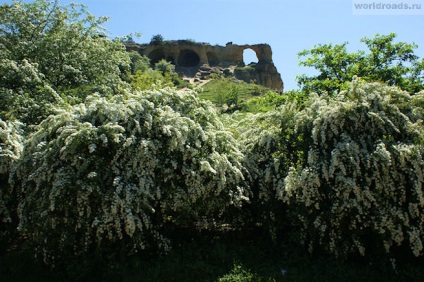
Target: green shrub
<point>146,80</point>
<point>238,273</point>
<point>165,67</point>
<point>153,79</point>
<point>270,101</point>
<point>356,186</point>
<point>111,175</point>
<point>228,95</point>
<point>138,62</point>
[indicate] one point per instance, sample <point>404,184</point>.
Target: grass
<point>252,98</point>
<point>215,256</point>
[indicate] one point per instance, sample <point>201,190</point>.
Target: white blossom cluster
<point>360,186</point>
<point>10,151</point>
<point>120,169</point>
<point>266,160</point>
<point>258,138</point>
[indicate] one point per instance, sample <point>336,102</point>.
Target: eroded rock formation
<point>200,59</point>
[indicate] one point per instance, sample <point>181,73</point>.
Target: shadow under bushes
<point>218,254</point>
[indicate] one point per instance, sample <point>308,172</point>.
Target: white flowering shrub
<point>358,186</point>
<point>258,136</point>
<point>116,172</point>
<point>10,152</point>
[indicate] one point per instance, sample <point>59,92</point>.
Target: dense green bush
<point>270,101</point>
<point>162,76</point>
<point>229,96</point>
<point>165,67</point>
<point>117,172</point>
<point>149,79</point>
<point>138,62</point>
<point>357,184</point>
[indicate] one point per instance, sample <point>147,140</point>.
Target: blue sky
<point>288,26</point>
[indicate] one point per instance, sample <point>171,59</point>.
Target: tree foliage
<point>157,39</point>
<point>47,50</point>
<point>386,61</point>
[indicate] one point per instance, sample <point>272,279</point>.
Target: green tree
<point>48,50</point>
<point>224,91</point>
<point>386,61</point>
<point>156,39</point>
<point>228,95</point>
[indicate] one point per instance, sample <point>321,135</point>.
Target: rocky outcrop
<point>200,59</point>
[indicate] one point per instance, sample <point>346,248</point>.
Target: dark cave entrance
<point>170,59</point>
<point>156,55</point>
<point>188,58</point>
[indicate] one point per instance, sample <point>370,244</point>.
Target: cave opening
<point>188,58</point>
<point>156,55</point>
<point>170,59</point>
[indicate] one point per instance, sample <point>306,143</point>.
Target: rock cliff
<point>201,59</point>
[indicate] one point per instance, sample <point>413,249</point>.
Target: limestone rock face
<point>189,56</point>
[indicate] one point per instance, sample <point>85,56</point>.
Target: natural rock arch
<point>250,56</point>
<point>188,58</point>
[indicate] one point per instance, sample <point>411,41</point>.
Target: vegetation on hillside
<point>111,166</point>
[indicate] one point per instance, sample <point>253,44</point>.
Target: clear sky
<point>288,26</point>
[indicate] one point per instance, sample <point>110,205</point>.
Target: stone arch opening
<point>188,58</point>
<point>250,57</point>
<point>213,60</point>
<point>156,55</point>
